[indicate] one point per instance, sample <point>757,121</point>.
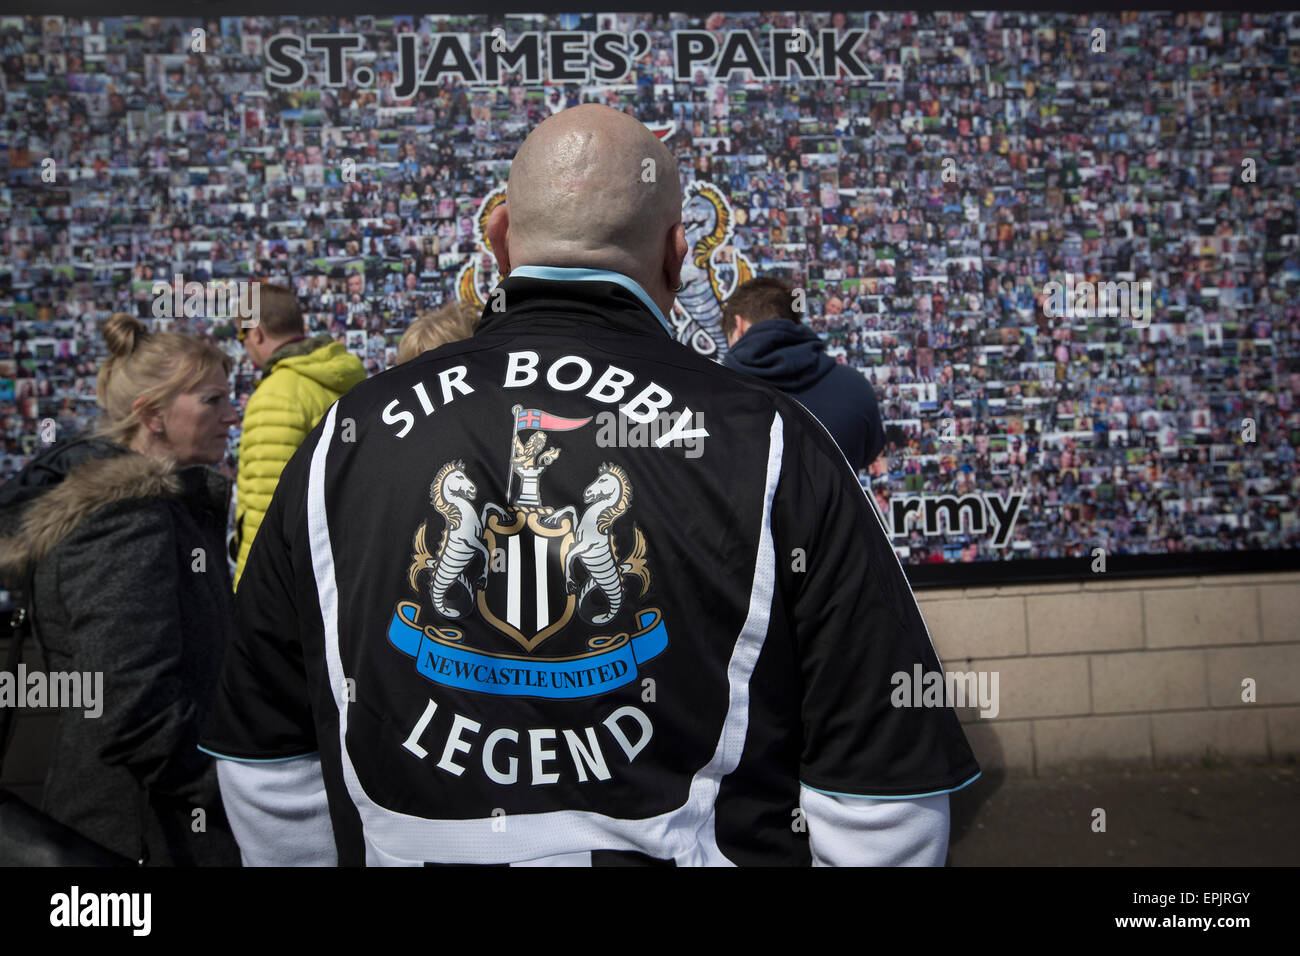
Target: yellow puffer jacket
<point>303,379</point>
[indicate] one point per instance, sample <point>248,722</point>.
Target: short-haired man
<point>301,378</point>
<point>766,338</point>
<point>476,629</point>
<point>356,283</point>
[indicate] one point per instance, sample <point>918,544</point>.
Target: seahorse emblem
<point>607,499</point>
<point>519,595</point>
<point>479,276</point>
<point>706,281</point>
<point>452,494</point>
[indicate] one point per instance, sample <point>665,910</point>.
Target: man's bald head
<point>591,187</point>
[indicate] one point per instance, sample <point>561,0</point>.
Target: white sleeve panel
<point>861,831</point>
<point>278,811</point>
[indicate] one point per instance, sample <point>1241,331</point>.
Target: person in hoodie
<point>766,339</point>
<point>301,378</point>
<point>117,541</point>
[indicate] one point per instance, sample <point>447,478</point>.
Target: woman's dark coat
<point>131,580</point>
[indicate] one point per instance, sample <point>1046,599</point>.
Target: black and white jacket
<point>567,592</point>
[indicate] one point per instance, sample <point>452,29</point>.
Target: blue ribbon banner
<point>612,665</point>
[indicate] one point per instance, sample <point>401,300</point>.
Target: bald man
<point>567,593</point>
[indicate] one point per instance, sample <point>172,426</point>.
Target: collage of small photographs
<point>923,208</point>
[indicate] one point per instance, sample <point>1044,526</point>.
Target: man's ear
<point>498,226</point>
<point>739,326</point>
<point>675,249</point>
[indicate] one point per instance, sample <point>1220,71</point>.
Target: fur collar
<point>87,487</point>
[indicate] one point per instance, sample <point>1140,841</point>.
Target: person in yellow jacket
<point>301,378</point>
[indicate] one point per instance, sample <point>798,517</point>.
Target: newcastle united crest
<point>530,570</point>
<point>711,273</point>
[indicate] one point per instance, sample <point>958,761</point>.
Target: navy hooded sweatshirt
<point>792,357</point>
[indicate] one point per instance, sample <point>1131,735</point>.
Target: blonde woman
<point>449,323</point>
<point>120,542</point>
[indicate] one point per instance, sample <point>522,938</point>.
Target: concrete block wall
<point>1145,672</point>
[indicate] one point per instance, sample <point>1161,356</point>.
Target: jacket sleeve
<point>262,723</point>
<point>857,831</point>
<point>263,709</point>
<point>856,628</point>
<point>273,428</point>
<point>278,812</point>
<point>126,616</point>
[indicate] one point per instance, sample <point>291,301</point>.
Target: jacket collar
<point>605,298</point>
<point>95,482</point>
<point>295,347</point>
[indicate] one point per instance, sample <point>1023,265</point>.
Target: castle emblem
<point>530,571</point>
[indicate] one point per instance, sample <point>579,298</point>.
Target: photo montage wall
<point>1062,247</point>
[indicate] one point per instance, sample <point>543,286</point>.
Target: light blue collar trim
<point>568,274</point>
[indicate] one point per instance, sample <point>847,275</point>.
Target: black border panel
<point>1118,566</point>
<point>216,8</point>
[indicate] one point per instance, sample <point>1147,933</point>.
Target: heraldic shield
<point>529,570</point>
<point>525,597</point>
